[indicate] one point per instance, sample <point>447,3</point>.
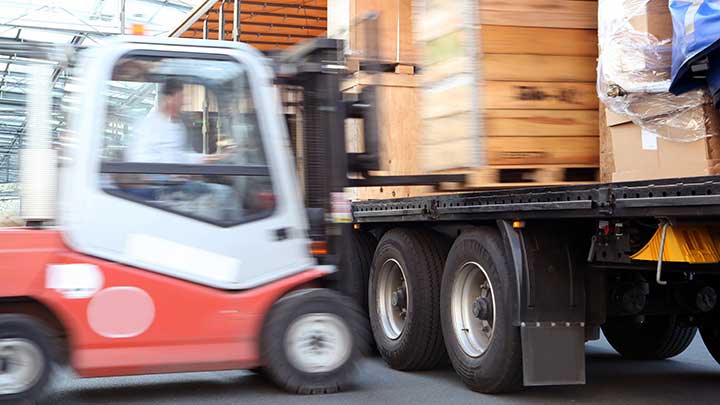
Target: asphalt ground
<point>693,377</point>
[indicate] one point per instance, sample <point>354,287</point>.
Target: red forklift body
<point>130,321</point>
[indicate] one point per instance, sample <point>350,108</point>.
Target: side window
<point>181,134</point>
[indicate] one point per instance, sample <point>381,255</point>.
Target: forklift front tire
<point>312,340</point>
<point>25,359</point>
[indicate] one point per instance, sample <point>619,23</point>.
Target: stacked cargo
<point>649,133</point>
<point>508,90</point>
<point>397,87</point>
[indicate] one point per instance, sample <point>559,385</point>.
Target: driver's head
<point>172,97</point>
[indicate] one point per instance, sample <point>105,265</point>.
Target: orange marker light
<point>318,248</point>
<point>138,29</point>
<point>518,224</point>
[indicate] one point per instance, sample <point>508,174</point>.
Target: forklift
<point>137,258</point>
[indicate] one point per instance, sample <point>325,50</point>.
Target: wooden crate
<point>508,83</point>
<point>398,127</point>
<point>395,31</point>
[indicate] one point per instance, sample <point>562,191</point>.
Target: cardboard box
<point>634,153</point>
<point>653,17</point>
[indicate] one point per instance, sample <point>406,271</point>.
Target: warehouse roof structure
<point>38,31</point>
<point>41,31</point>
<point>266,25</point>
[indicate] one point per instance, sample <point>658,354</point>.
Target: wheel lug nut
<point>482,308</point>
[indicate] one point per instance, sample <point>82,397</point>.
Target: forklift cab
<point>181,241</point>
<point>181,165</point>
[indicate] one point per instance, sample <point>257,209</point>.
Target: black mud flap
<point>551,308</point>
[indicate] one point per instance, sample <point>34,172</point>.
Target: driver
<point>161,137</point>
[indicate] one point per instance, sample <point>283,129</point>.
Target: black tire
<point>355,281</point>
<point>658,337</point>
<point>498,368</point>
<point>421,255</point>
<point>277,362</point>
<point>30,331</point>
<point>710,334</point>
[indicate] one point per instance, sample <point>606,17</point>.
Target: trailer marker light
<point>518,224</point>
<point>356,226</point>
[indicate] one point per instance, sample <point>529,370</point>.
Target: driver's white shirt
<point>158,139</point>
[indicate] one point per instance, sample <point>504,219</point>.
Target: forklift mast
<point>318,68</point>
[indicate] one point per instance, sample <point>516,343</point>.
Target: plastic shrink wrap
<point>634,71</point>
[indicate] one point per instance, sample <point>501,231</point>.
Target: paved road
<point>692,377</point>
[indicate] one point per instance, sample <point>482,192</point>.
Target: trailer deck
<point>687,197</point>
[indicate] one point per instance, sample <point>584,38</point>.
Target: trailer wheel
<point>25,358</point>
<point>404,298</point>
<point>711,337</point>
<point>478,290</point>
<point>312,340</point>
<point>656,337</point>
<point>355,281</point>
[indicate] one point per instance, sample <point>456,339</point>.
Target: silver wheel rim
<point>473,309</point>
<point>318,343</point>
<point>392,298</point>
<point>21,365</point>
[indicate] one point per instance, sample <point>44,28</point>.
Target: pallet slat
<point>542,150</point>
<point>539,13</point>
<point>538,40</point>
<point>539,68</point>
<point>541,122</point>
<point>499,95</point>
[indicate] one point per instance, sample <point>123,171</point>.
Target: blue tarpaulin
<point>696,45</point>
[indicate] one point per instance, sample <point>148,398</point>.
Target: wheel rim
<point>473,309</point>
<point>392,298</point>
<point>21,365</point>
<point>318,343</point>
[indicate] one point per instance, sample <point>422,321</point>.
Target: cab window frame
<point>197,169</point>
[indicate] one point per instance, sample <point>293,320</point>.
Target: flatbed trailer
<point>518,280</point>
<point>508,284</point>
<point>686,197</point>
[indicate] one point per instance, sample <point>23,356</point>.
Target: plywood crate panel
<point>398,100</point>
<point>395,30</point>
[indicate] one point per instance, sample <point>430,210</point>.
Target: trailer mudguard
<point>551,301</point>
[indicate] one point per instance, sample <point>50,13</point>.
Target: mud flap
<point>553,355</point>
<point>551,305</point>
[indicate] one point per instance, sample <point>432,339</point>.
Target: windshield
<point>181,134</point>
<point>208,101</point>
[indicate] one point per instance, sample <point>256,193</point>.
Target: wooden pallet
<point>357,65</point>
<point>489,178</point>
<point>523,176</point>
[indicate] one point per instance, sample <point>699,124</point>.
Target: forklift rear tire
<point>404,298</point>
<point>657,337</point>
<point>312,340</point>
<point>25,359</point>
<point>478,291</point>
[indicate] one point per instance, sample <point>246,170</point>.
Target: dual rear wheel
<point>429,302</point>
<point>475,307</point>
